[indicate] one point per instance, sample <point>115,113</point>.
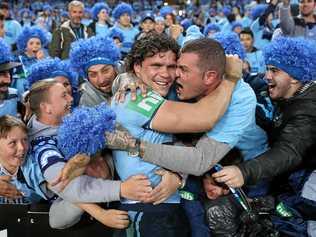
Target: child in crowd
<point>14,160</point>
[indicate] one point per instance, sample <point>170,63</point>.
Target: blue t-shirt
<point>238,127</point>
<point>136,116</point>
<point>129,34</point>
<point>9,105</point>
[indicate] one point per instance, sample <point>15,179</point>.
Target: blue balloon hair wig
<point>231,44</point>
<point>48,68</point>
<point>121,9</point>
<point>95,50</point>
<point>98,7</point>
<point>295,56</point>
<point>27,34</point>
<point>83,130</point>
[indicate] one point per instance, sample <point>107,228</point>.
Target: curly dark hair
<point>147,46</point>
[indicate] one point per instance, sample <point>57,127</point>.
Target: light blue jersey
<point>256,61</point>
<point>237,127</point>
<point>19,180</point>
<point>102,30</point>
<point>9,105</point>
<point>136,116</point>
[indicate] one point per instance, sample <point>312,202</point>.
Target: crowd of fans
<point>155,119</point>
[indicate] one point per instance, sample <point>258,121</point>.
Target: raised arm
<point>179,117</point>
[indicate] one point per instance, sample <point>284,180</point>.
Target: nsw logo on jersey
<point>148,105</point>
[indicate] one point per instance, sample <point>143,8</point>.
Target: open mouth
<point>162,83</point>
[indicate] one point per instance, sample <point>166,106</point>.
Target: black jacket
<point>292,140</point>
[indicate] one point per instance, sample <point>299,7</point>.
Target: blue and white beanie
<point>295,56</point>
<point>85,53</point>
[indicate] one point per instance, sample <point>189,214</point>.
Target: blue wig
<point>258,10</point>
<point>95,50</point>
<point>48,68</point>
<point>116,33</point>
<point>5,52</point>
<point>211,27</point>
<point>121,9</point>
<point>25,11</point>
<point>83,130</point>
<point>236,24</point>
<point>226,10</point>
<point>27,34</point>
<point>231,44</point>
<point>98,7</point>
<point>165,10</point>
<point>295,56</point>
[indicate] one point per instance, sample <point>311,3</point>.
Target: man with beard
<point>8,96</point>
<point>69,31</point>
<point>303,25</point>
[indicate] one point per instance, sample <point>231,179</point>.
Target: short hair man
<point>69,31</point>
<point>254,56</point>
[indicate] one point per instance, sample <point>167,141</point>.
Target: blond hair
<point>7,123</point>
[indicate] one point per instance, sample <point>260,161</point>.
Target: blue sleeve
<point>47,155</point>
<point>237,119</point>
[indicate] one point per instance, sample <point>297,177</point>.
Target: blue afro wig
<point>95,50</point>
<point>295,56</point>
<point>25,11</point>
<point>5,52</point>
<point>258,10</point>
<point>231,44</point>
<point>211,27</point>
<point>116,33</point>
<point>121,9</point>
<point>27,34</point>
<point>83,130</point>
<point>97,8</point>
<point>236,24</point>
<point>48,68</point>
<point>226,10</point>
<point>165,10</point>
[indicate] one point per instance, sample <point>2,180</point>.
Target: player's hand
<point>7,189</point>
<point>114,218</point>
<point>132,87</point>
<point>74,167</point>
<point>136,188</point>
<point>233,68</point>
<point>169,184</point>
<point>231,176</point>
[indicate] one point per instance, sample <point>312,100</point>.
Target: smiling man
<point>96,60</point>
<point>70,31</point>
